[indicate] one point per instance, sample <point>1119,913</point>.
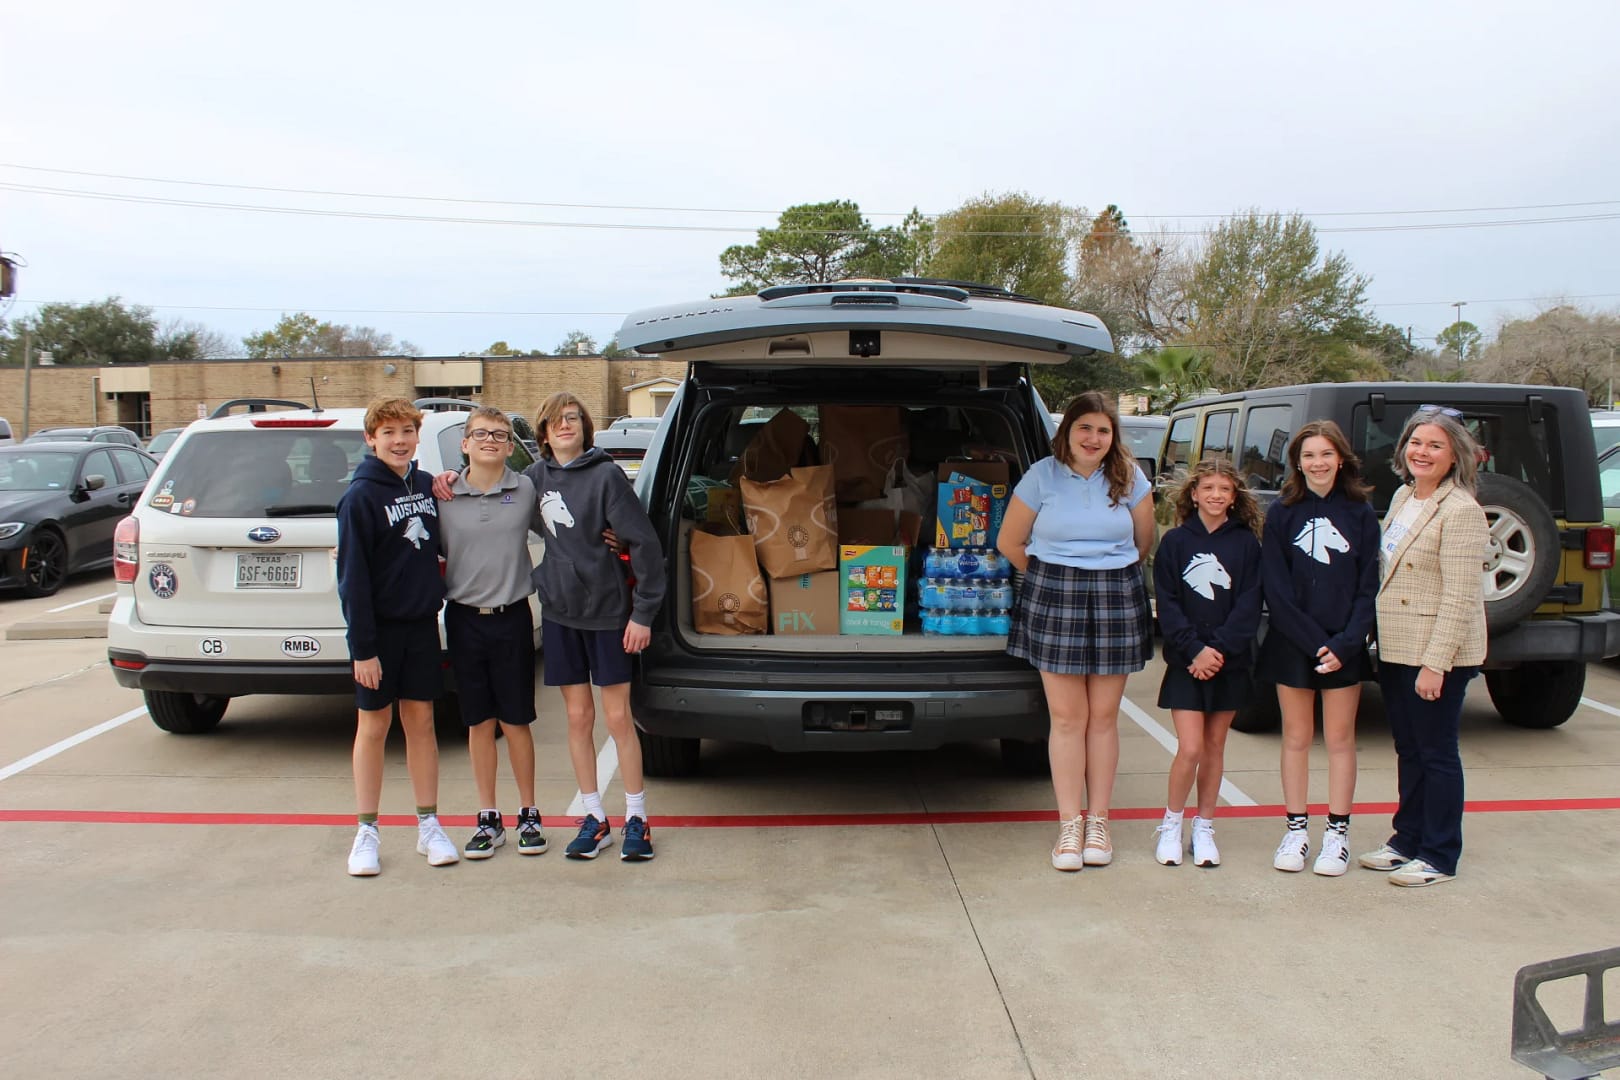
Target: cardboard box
<point>967,516</point>
<point>807,604</point>
<point>872,588</point>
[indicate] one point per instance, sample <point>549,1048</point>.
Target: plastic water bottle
<point>933,622</point>
<point>934,593</point>
<point>963,596</point>
<point>993,565</point>
<point>940,563</point>
<point>969,562</point>
<point>970,622</point>
<point>996,622</point>
<point>996,595</point>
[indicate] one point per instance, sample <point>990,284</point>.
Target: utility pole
<point>1457,326</point>
<point>28,372</point>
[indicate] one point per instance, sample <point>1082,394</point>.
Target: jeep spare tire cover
<point>1522,555</point>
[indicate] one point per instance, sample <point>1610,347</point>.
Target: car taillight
<point>1600,547</point>
<point>127,550</point>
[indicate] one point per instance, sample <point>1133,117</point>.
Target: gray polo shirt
<point>485,538</point>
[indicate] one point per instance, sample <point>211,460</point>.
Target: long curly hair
<point>1245,507</point>
<point>1349,481</point>
<point>1118,464</point>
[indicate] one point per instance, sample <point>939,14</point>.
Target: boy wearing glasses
<point>484,532</point>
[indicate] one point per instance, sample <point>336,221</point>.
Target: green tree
<point>1172,375</point>
<point>1461,341</point>
<point>301,334</point>
<point>1269,306</point>
<point>103,332</point>
<point>577,343</point>
<point>1013,241</point>
<point>829,241</point>
<point>614,351</point>
<point>501,348</point>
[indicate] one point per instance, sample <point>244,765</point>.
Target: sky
<point>596,158</point>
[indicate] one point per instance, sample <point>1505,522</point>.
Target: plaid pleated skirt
<point>1081,622</point>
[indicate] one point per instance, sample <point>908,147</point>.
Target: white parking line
<point>607,763</point>
<point>1600,707</point>
<point>81,603</point>
<point>69,743</point>
<point>1229,791</point>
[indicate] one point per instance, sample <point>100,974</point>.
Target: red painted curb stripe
<point>766,821</point>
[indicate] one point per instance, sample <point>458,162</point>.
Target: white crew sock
<point>593,804</point>
<point>635,805</point>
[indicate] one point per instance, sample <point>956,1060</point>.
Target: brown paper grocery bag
<point>794,521</point>
<point>862,443</point>
<point>782,443</point>
<point>728,593</point>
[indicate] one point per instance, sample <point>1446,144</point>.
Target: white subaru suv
<point>226,570</point>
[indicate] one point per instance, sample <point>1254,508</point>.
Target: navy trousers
<point>1428,822</point>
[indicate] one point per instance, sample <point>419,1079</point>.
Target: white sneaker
<point>432,842</point>
<point>1066,855</point>
<point>1205,853</point>
<point>363,861</point>
<point>1385,858</point>
<point>1099,849</point>
<point>1168,850</point>
<point>1418,873</point>
<point>1296,844</point>
<point>1335,857</point>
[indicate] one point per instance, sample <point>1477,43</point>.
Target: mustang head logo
<point>1204,574</point>
<point>1317,537</point>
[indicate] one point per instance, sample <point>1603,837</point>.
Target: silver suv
<point>955,360</point>
<point>226,576</point>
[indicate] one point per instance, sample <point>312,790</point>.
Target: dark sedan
<point>59,505</point>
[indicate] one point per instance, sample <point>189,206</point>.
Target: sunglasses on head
<point>1443,410</point>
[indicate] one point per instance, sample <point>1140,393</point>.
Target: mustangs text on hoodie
<point>388,552</point>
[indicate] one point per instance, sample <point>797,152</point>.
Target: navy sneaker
<point>490,834</point>
<point>637,841</point>
<point>593,837</point>
<point>531,840</point>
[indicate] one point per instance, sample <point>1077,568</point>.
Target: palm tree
<point>1171,375</point>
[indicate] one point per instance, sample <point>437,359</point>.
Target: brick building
<point>150,397</point>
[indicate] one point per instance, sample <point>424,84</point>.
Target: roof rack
<point>254,404</point>
<point>972,288</point>
<point>445,404</point>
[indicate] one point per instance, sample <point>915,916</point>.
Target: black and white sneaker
<point>531,840</point>
<point>1296,844</point>
<point>1335,857</point>
<point>490,834</point>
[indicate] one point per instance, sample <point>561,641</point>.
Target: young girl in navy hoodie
<point>1206,581</point>
<point>1321,582</point>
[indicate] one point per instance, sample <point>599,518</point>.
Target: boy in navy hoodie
<point>1206,580</point>
<point>391,589</point>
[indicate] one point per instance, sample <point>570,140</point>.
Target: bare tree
<point>1561,346</point>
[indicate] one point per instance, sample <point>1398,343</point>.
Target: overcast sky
<point>716,116</point>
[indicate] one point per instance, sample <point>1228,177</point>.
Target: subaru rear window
<point>258,472</point>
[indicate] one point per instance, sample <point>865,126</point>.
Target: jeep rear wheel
<point>1522,555</point>
<point>1542,694</point>
<point>185,714</point>
<point>668,755</point>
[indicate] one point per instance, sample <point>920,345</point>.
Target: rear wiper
<point>300,510</point>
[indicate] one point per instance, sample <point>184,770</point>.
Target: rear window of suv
<point>1528,452</point>
<point>251,473</point>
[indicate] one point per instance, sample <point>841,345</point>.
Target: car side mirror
<point>95,482</point>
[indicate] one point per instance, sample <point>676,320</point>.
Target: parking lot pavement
<point>178,906</point>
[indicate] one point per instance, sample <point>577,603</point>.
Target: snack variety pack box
<point>872,584</point>
<point>971,502</point>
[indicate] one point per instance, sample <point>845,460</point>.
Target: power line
<point>366,215</point>
<point>472,200</point>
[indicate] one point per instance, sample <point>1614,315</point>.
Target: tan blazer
<point>1431,605</point>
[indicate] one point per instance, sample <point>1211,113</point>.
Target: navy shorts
<point>492,658</point>
<point>410,657</point>
<point>1286,664</point>
<point>575,656</point>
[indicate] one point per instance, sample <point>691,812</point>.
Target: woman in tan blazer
<point>1431,639</point>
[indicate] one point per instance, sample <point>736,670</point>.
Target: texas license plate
<point>267,570</point>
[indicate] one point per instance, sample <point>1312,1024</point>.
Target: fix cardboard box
<point>970,515</point>
<point>807,604</point>
<point>872,586</point>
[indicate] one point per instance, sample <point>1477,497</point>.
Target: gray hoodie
<point>581,582</point>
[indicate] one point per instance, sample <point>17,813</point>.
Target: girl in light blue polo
<point>1078,526</point>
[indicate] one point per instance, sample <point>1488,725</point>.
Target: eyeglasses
<point>487,435</point>
<point>1443,410</point>
<point>570,418</point>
